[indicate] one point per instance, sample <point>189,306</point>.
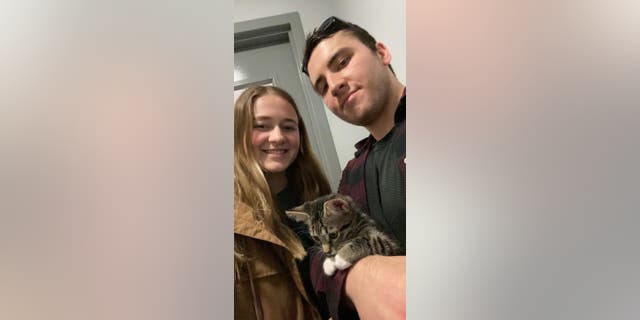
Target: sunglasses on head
<point>329,26</point>
<point>330,23</point>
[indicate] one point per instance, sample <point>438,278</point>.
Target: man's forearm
<point>376,285</point>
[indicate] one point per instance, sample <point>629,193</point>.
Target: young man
<point>353,75</point>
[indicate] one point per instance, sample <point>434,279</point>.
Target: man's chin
<point>357,121</point>
<point>354,120</point>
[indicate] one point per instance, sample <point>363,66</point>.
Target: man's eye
<point>322,88</point>
<point>344,61</point>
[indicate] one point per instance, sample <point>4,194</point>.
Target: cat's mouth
<point>327,250</point>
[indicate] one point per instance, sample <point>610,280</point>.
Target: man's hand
<point>377,287</point>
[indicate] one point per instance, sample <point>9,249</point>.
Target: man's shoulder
<point>359,156</point>
<point>352,174</point>
<point>363,145</point>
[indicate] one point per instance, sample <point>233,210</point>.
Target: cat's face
<point>328,219</point>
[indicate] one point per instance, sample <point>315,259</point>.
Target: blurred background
<point>116,156</point>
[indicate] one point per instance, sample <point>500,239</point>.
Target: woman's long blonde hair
<point>304,175</point>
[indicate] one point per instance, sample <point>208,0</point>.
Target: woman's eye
<point>290,128</point>
<point>259,126</point>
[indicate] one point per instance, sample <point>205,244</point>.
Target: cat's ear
<point>298,215</point>
<point>335,206</point>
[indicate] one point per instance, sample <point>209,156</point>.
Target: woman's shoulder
<point>242,213</point>
<point>239,206</point>
<point>246,223</point>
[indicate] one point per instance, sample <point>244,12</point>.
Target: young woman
<point>274,170</point>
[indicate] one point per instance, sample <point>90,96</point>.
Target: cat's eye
<point>333,235</point>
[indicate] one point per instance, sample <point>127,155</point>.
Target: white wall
<point>385,20</point>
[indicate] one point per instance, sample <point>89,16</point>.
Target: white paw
<point>329,266</point>
<point>342,263</point>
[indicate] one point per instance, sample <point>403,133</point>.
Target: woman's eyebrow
<point>270,118</point>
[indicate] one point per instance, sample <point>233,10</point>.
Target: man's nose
<point>338,86</point>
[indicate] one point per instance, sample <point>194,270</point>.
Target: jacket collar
<point>245,223</point>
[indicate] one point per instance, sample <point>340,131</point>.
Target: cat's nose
<point>325,248</point>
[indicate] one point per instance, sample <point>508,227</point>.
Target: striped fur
<point>343,231</point>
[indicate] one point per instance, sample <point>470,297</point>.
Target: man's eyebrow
<point>333,58</point>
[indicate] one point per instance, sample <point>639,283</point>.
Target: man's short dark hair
<point>327,29</point>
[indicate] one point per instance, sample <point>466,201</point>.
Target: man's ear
<point>383,52</point>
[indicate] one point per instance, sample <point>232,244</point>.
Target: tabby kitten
<point>345,233</point>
